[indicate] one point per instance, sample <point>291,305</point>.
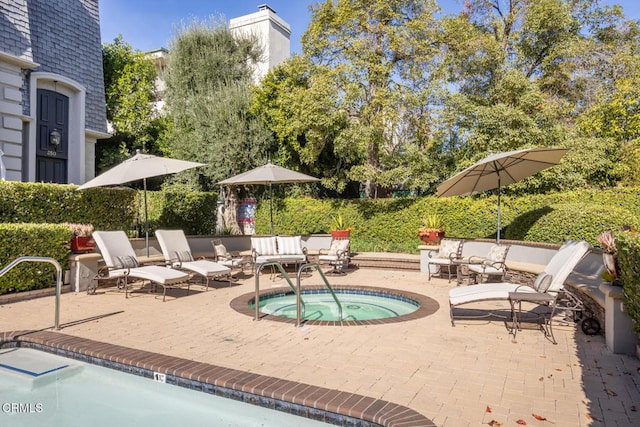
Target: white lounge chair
<point>551,280</point>
<point>122,263</point>
<point>177,254</point>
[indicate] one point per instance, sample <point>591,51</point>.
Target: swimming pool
<point>38,388</point>
<point>356,305</point>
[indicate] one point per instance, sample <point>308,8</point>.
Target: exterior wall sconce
<point>54,138</point>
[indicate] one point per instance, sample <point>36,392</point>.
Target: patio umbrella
<point>140,167</point>
<point>267,175</point>
<point>500,169</point>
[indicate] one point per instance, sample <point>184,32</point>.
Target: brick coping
<point>323,404</point>
<point>426,306</point>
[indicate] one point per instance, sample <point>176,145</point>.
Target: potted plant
<point>608,243</point>
<point>432,230</point>
<point>339,228</point>
<point>81,240</point>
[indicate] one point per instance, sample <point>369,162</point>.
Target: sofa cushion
<point>289,245</point>
<point>264,245</point>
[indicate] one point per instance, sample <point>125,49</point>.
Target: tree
<point>208,99</point>
<point>374,57</point>
<point>523,72</point>
<point>130,94</point>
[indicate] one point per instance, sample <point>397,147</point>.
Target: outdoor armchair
<point>450,250</point>
<point>491,265</point>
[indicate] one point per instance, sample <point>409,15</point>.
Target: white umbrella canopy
<point>500,169</point>
<point>267,175</point>
<point>140,167</point>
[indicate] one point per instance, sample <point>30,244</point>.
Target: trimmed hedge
<point>628,255</point>
<point>44,240</point>
<point>391,225</point>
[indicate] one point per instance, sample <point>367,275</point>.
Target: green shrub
<point>43,240</point>
<point>576,221</point>
<point>628,255</point>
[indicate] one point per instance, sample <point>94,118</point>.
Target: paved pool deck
<point>467,375</point>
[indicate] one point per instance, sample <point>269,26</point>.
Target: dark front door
<point>52,139</point>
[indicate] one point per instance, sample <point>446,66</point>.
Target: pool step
<point>26,368</point>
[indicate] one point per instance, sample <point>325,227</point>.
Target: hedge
<point>628,244</point>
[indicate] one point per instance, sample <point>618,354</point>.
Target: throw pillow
<point>221,250</point>
<point>448,247</point>
<point>289,245</point>
<point>338,246</point>
<point>126,261</point>
<point>183,256</point>
<point>498,253</point>
<point>264,245</point>
<point>543,281</point>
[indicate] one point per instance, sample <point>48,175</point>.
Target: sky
<point>150,24</point>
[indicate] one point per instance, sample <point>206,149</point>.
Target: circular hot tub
<point>358,305</point>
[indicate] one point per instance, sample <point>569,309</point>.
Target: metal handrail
<point>326,283</point>
<point>55,263</point>
<point>286,277</point>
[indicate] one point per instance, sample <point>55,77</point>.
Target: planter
<point>80,244</point>
<point>340,234</point>
<point>611,264</point>
<point>432,237</point>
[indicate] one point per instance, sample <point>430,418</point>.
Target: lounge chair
<point>450,250</point>
<point>491,265</point>
<point>550,281</point>
<point>337,256</point>
<point>122,263</point>
<point>177,254</point>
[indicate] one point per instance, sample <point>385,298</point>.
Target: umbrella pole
<point>498,235</point>
<point>271,207</point>
<point>146,216</point>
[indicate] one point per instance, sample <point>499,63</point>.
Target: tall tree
<point>208,99</point>
<point>375,56</point>
<point>130,94</point>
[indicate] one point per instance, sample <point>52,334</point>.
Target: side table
<point>537,298</point>
<point>463,263</point>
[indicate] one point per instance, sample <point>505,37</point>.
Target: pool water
<point>41,389</point>
<point>356,305</point>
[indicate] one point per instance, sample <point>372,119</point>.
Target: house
<point>52,103</point>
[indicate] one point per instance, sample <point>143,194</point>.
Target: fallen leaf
<point>610,392</point>
<point>633,408</point>
<point>521,422</point>
<point>539,417</point>
<point>488,409</point>
<point>541,379</point>
<point>494,423</point>
<point>558,369</point>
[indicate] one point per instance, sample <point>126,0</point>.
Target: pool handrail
<point>326,283</point>
<point>19,260</point>
<point>279,266</point>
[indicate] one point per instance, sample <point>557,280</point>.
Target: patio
<point>452,375</point>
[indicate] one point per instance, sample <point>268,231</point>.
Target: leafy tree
<point>373,57</point>
<point>208,99</point>
<point>130,94</point>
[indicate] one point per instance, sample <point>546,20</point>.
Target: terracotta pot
<point>80,244</point>
<point>432,237</point>
<point>340,234</point>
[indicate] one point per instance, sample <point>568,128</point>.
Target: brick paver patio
<point>467,375</point>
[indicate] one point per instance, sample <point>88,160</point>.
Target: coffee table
<point>537,298</point>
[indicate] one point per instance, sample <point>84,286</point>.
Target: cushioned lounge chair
<point>177,254</point>
<point>122,263</point>
<point>551,280</point>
